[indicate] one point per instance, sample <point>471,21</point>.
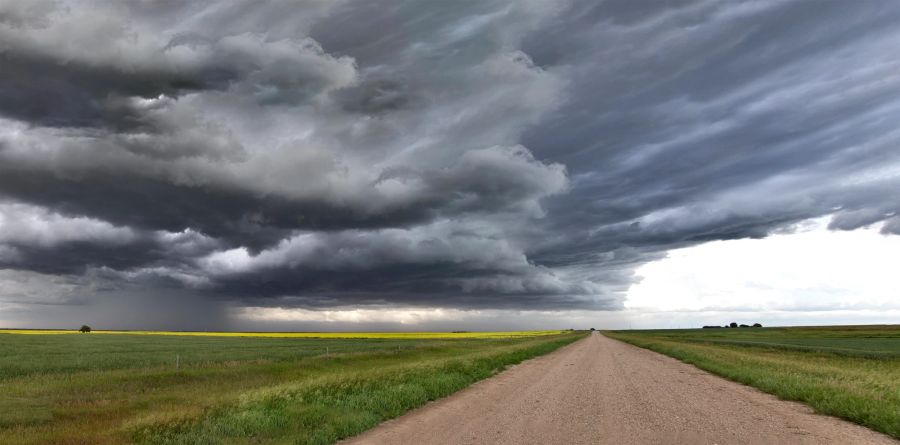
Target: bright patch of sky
<point>808,276</point>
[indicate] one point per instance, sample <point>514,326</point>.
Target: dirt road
<point>601,391</point>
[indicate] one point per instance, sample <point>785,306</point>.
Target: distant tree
<point>592,329</point>
<point>744,326</point>
<point>732,325</point>
<point>85,329</point>
<point>712,327</point>
<point>757,325</point>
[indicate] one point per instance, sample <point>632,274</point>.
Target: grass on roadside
<point>346,335</point>
<point>852,373</point>
<point>243,390</point>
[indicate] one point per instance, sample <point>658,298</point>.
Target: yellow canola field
<point>388,335</point>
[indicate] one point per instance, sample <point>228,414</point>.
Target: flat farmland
<point>170,388</point>
<point>852,372</point>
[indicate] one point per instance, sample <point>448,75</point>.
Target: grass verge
<point>332,335</point>
<point>863,388</point>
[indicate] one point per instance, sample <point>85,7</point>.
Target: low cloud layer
<point>464,156</point>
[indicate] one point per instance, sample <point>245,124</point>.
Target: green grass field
<point>383,335</point>
<point>852,372</point>
<point>98,389</point>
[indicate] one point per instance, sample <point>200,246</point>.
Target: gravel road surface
<point>602,391</point>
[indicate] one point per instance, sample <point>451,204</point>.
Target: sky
<point>478,165</point>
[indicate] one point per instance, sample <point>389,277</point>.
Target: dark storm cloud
<point>65,66</point>
<point>484,154</point>
<point>718,120</point>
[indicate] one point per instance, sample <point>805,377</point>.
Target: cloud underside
<point>475,155</point>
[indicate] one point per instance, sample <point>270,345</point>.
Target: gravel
<point>602,391</point>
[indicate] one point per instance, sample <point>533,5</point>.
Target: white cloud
<point>351,315</point>
<point>23,224</point>
<point>808,271</point>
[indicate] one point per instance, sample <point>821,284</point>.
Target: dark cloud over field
<point>510,155</point>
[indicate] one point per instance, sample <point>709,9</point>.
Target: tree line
<point>734,325</point>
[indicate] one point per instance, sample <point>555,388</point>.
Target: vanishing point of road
<point>602,391</point>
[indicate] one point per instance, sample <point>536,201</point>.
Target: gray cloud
<point>487,154</point>
<point>76,65</point>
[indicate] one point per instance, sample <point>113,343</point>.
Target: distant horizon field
<point>303,334</point>
<point>426,334</point>
<point>852,372</point>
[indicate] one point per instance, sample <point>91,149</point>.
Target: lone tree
<point>733,324</point>
<point>757,325</point>
<point>85,329</point>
